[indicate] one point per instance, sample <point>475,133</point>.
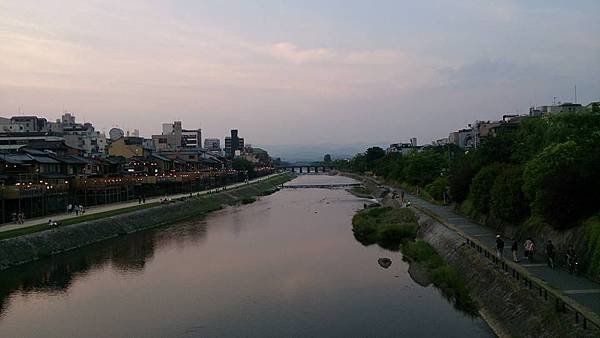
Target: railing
<point>562,303</point>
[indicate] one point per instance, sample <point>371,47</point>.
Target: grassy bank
<point>85,218</point>
<point>396,228</point>
<point>445,277</point>
<point>385,226</point>
<point>360,192</point>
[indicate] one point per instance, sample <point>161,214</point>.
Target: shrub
<point>437,188</point>
<point>507,201</point>
<point>480,191</point>
<point>386,226</point>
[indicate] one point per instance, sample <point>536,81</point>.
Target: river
<point>286,265</point>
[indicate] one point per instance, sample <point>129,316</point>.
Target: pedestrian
<point>550,253</point>
<point>139,199</point>
<point>76,210</point>
<point>81,209</point>
<point>499,246</point>
<point>402,196</point>
<point>70,208</point>
<point>143,199</point>
<point>514,249</point>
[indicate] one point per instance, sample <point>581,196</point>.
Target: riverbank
<point>23,249</point>
<point>511,306</point>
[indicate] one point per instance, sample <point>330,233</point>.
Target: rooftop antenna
<point>575,93</point>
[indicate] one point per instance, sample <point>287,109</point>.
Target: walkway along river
<point>285,265</point>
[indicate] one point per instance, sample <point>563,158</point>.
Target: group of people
<point>530,248</point>
<point>77,209</point>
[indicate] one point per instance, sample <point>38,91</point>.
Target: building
<point>234,145</point>
<point>174,137</point>
<point>212,144</point>
<point>128,147</point>
<point>77,135</point>
<point>464,138</point>
<point>566,107</point>
<point>402,148</point>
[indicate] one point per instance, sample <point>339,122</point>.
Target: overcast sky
<point>296,72</point>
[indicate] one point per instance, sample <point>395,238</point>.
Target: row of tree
<point>543,167</point>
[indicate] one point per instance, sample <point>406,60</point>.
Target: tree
<point>507,201</point>
<point>562,183</point>
<point>480,191</point>
<point>241,164</point>
<point>327,158</point>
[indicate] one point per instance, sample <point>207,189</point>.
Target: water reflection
<point>283,266</point>
<point>126,255</point>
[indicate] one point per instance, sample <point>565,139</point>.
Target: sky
<point>296,72</point>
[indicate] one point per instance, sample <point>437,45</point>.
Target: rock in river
<point>384,262</point>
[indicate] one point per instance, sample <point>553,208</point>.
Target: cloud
<point>291,53</point>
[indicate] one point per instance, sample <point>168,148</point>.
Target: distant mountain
<point>315,152</point>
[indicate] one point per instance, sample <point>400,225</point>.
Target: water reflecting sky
<point>287,265</point>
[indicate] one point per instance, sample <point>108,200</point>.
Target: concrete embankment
<point>27,248</point>
<point>508,306</point>
<point>511,307</point>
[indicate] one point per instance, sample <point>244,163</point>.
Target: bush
<point>507,201</point>
<point>562,185</point>
<point>385,226</point>
<point>444,276</point>
<point>592,256</point>
<point>437,188</point>
<point>480,191</point>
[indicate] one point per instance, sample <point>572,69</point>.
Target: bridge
<point>306,168</point>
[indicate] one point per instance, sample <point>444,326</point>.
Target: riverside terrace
<point>37,183</point>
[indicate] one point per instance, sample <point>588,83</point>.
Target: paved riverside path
<point>581,289</point>
<point>117,206</point>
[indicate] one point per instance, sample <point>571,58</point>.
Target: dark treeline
<point>543,172</point>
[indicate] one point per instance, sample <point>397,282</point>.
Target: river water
<point>286,265</point>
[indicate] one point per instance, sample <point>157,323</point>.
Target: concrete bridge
<point>306,168</point>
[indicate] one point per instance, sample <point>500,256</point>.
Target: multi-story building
<point>174,137</point>
<point>76,135</point>
<point>566,107</point>
<point>234,145</point>
<point>212,144</point>
<point>464,138</point>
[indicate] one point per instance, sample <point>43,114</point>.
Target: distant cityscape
<point>47,164</point>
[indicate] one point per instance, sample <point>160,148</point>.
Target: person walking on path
<point>514,249</point>
<point>499,246</point>
<point>550,253</point>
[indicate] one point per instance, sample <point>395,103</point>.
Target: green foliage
<point>327,158</point>
<point>437,188</point>
<point>562,183</point>
<point>242,164</point>
<point>461,174</point>
<point>361,192</point>
<point>481,186</point>
<point>445,277</point>
<point>507,201</point>
<point>387,227</point>
<point>592,257</point>
<point>423,167</point>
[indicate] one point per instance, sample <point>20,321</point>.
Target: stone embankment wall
<point>510,308</point>
<point>27,248</point>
